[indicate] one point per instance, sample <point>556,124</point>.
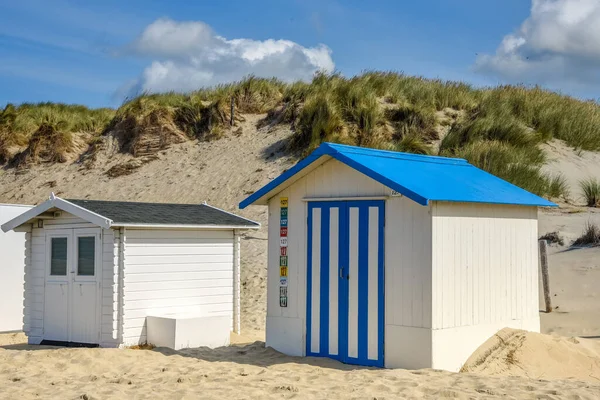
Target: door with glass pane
<point>71,309</point>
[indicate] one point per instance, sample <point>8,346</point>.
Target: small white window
<point>86,249</point>
<point>58,256</point>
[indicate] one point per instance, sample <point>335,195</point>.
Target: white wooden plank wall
<point>175,272</point>
<point>110,289</point>
<point>34,286</point>
<point>484,264</point>
<point>28,292</point>
<point>408,263</point>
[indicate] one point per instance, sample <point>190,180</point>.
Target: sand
<point>574,165</point>
<point>223,173</point>
<point>244,372</point>
<point>534,355</point>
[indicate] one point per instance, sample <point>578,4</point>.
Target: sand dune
<point>244,372</point>
<point>533,355</point>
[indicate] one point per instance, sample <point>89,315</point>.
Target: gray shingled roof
<point>121,212</point>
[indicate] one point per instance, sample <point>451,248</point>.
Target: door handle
<point>342,274</point>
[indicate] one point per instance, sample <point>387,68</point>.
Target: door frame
<point>344,258</point>
<point>72,233</point>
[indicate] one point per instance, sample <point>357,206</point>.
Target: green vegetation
<point>498,129</point>
<point>591,191</point>
<point>589,237</point>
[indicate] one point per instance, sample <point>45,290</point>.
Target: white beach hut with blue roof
<point>396,260</point>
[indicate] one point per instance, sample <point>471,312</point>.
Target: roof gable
<point>420,178</point>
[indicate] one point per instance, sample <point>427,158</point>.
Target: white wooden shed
<point>12,270</point>
<point>389,259</point>
<point>95,270</point>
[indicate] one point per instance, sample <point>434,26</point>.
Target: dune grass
<point>590,188</point>
<point>498,129</point>
<point>589,237</point>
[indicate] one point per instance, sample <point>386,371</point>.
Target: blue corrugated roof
<point>420,178</point>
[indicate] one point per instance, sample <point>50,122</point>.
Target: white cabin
<point>396,260</point>
<point>12,270</point>
<point>95,270</point>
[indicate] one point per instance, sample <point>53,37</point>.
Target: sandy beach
<point>247,372</point>
<point>223,173</point>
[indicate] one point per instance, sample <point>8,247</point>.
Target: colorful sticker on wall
<point>283,259</point>
<point>283,296</point>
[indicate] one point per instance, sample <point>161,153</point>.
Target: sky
<point>99,53</point>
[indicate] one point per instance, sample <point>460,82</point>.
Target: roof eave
<point>262,196</point>
<point>183,226</point>
<point>547,203</point>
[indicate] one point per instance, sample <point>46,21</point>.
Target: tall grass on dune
<point>499,129</point>
<point>589,237</point>
<point>590,188</point>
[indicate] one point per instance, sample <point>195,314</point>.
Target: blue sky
<point>98,52</point>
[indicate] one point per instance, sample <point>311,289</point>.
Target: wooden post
<point>232,111</point>
<point>545,277</point>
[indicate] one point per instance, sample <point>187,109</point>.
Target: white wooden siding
<point>110,289</point>
<point>34,287</point>
<point>408,263</point>
<point>175,272</point>
<point>484,264</point>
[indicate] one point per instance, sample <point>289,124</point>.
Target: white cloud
<point>558,44</point>
<point>190,55</point>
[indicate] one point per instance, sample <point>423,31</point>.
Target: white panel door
<point>85,284</point>
<point>72,295</point>
<point>57,288</point>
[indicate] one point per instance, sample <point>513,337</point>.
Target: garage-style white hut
<point>398,260</point>
<point>116,273</point>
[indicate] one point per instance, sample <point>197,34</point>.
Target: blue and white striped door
<point>345,281</point>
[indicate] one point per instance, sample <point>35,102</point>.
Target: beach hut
<point>382,258</point>
<point>12,270</point>
<point>112,273</point>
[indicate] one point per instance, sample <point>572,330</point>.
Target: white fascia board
<point>181,226</point>
<point>83,213</point>
<point>57,202</point>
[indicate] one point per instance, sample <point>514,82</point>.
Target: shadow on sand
<point>255,354</point>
